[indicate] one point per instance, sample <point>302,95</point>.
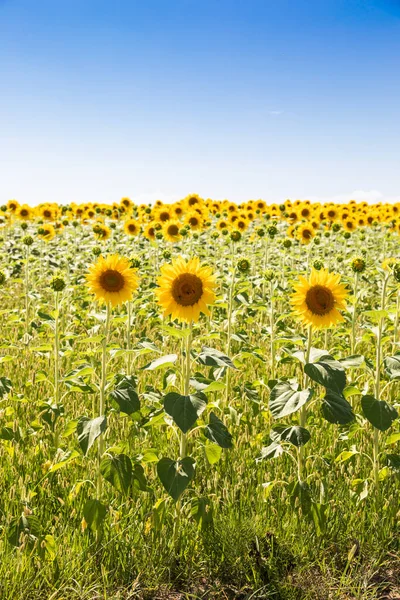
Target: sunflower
<point>193,200</point>
<point>171,231</point>
<point>305,233</point>
<point>102,232</point>
<point>317,301</point>
<point>163,215</point>
<point>47,232</point>
<point>350,224</point>
<point>126,203</point>
<point>112,280</point>
<point>194,220</point>
<point>25,212</point>
<point>185,289</point>
<point>131,227</point>
<point>12,206</point>
<point>150,232</point>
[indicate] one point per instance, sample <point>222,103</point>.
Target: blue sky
<point>230,99</point>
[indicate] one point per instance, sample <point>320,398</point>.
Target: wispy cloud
<point>275,113</point>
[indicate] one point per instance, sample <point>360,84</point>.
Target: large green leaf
<point>296,435</point>
<point>392,366</point>
<point>175,475</point>
<point>378,412</point>
<point>216,432</point>
<point>5,386</point>
<point>327,372</point>
<point>286,399</point>
<point>214,358</point>
<point>117,470</point>
<point>163,361</point>
<point>94,512</point>
<point>185,410</point>
<point>26,524</point>
<point>336,409</point>
<point>88,431</point>
<point>125,395</point>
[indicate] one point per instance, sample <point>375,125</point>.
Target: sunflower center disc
<point>173,230</point>
<point>187,289</point>
<point>112,281</point>
<point>320,300</point>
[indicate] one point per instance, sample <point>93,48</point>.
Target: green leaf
<point>125,395</point>
<point>66,458</point>
<point>214,358</point>
<point>393,438</point>
<point>296,435</point>
<point>336,409</point>
<point>185,410</point>
<point>94,512</point>
<point>175,475</point>
<point>213,453</point>
<point>216,432</point>
<point>286,399</point>
<point>345,455</point>
<point>88,431</point>
<point>163,361</point>
<point>300,490</point>
<point>117,470</point>
<point>378,412</point>
<point>26,524</point>
<point>327,372</point>
<point>354,361</point>
<point>274,450</point>
<point>392,366</point>
<point>5,386</point>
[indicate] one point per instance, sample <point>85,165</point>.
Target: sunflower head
<point>317,301</point>
<point>185,289</point>
<point>112,280</point>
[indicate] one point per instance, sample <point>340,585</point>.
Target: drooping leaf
<point>336,409</point>
<point>5,386</point>
<point>26,524</point>
<point>88,431</point>
<point>213,453</point>
<point>378,412</point>
<point>175,475</point>
<point>214,358</point>
<point>296,435</point>
<point>125,395</point>
<point>117,470</point>
<point>392,366</point>
<point>94,512</point>
<point>216,432</point>
<point>163,361</point>
<point>286,399</point>
<point>185,410</point>
<point>327,372</point>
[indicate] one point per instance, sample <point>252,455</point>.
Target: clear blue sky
<point>231,99</point>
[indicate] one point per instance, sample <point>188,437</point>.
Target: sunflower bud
<point>269,275</point>
<point>347,235</point>
<point>336,227</point>
<point>236,236</point>
<point>260,231</point>
<point>166,254</point>
<point>24,226</point>
<point>159,235</point>
<point>225,232</point>
<point>183,232</point>
<point>96,251</point>
<point>75,223</point>
<point>57,284</point>
<point>287,243</point>
<point>358,265</point>
<point>243,265</point>
<point>27,240</point>
<point>272,231</point>
<point>318,265</point>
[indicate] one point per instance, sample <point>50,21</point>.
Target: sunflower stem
<point>354,316</point>
<point>375,452</point>
<point>27,290</point>
<point>186,389</point>
<point>128,338</point>
<point>229,333</point>
<point>102,394</point>
<point>272,338</point>
<point>303,409</point>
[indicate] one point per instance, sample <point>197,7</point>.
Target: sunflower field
<point>200,400</point>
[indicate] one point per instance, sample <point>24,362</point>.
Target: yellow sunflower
<point>194,221</point>
<point>317,301</point>
<point>12,206</point>
<point>131,227</point>
<point>25,212</point>
<point>171,231</point>
<point>47,232</point>
<point>305,233</point>
<point>185,289</point>
<point>112,280</point>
